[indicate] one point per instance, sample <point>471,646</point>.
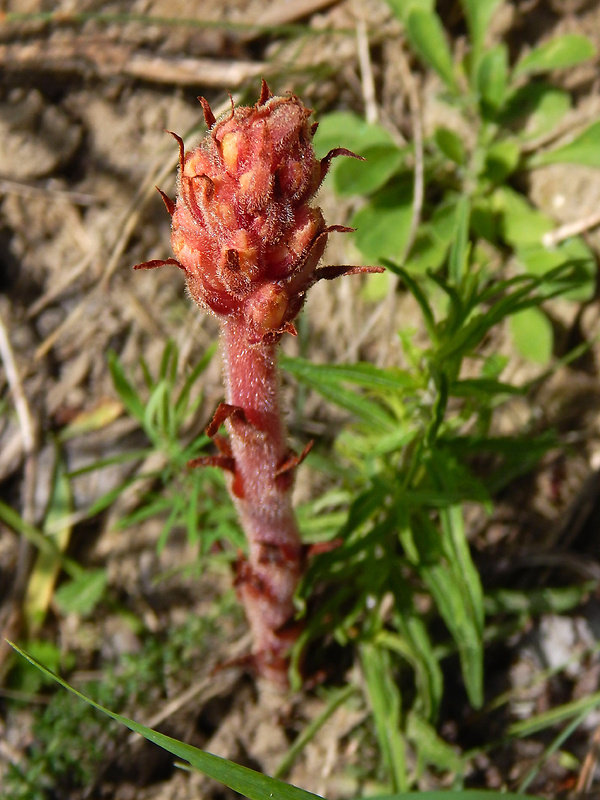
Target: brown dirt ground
<point>83,108</point>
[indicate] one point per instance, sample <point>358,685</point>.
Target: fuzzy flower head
<point>243,227</point>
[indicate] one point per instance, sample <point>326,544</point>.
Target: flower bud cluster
<point>243,228</point>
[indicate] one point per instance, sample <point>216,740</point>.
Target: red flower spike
<point>250,241</point>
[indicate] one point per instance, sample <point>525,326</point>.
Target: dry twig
<point>11,618</point>
<point>552,238</point>
<point>366,67</point>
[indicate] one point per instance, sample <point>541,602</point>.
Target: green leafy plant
<point>405,536</point>
<point>243,780</point>
<point>503,110</point>
<point>167,408</point>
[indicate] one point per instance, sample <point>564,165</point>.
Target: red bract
<point>249,242</point>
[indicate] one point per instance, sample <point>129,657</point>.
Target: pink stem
<point>262,495</point>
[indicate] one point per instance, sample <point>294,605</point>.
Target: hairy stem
<point>261,491</point>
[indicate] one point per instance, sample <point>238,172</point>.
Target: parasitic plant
<point>249,241</point>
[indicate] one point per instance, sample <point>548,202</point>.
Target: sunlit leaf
<point>478,14</point>
<point>450,144</point>
<point>492,79</point>
<point>561,52</point>
<point>345,129</point>
<point>584,149</point>
<point>363,177</point>
<point>537,107</point>
<point>428,38</point>
<point>519,222</point>
<point>383,225</point>
<point>402,8</point>
<point>93,419</point>
<point>532,335</point>
<point>501,159</point>
<point>539,260</point>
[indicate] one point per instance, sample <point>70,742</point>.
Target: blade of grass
<point>37,538</point>
<point>385,700</point>
<point>42,580</point>
<point>558,742</point>
<point>241,779</point>
<point>556,715</point>
<point>336,700</point>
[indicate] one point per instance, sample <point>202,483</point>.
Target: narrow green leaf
<point>109,497</point>
<point>561,52</point>
<point>360,374</point>
<point>492,80</point>
<point>247,782</point>
<point>148,376</point>
<point>459,553</point>
<point>129,396</point>
<point>46,569</point>
<point>584,149</point>
<point>366,410</point>
<point>102,463</point>
<point>402,8</point>
<point>428,38</point>
<point>337,699</point>
<point>483,388</point>
<point>420,296</point>
<point>172,519</point>
<point>153,508</point>
<point>469,583</point>
<point>191,514</point>
<point>478,14</point>
<point>430,746</point>
<point>385,700</point>
<point>168,362</point>
<point>414,645</point>
<point>462,794</point>
<point>183,398</point>
<point>554,716</point>
<point>43,543</point>
<point>153,421</point>
<point>537,601</point>
<point>460,249</point>
<point>423,545</point>
<point>546,754</point>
